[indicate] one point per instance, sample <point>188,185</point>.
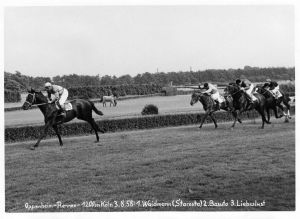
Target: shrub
<point>150,109</point>
<point>11,96</point>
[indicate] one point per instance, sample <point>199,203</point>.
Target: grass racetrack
<point>179,165</point>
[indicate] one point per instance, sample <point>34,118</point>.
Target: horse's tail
<point>95,109</point>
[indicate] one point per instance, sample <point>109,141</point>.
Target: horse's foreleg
<point>58,135</point>
<point>203,119</point>
<point>43,135</point>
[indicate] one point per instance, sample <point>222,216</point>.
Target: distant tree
<point>12,85</point>
<point>106,80</point>
<point>125,79</point>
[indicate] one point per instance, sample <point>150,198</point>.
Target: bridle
<point>33,99</point>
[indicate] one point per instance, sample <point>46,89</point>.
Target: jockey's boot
<point>217,105</point>
<point>61,111</point>
<point>250,99</point>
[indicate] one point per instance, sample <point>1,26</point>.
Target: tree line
<point>20,82</point>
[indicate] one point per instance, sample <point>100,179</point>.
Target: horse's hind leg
<point>95,127</point>
<point>288,107</point>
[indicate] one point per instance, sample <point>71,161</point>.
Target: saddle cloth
<point>68,106</point>
<point>222,98</point>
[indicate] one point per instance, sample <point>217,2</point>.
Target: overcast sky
<point>118,40</point>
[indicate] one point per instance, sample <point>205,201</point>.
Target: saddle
<point>62,115</point>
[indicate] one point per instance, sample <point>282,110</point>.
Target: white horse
<point>111,99</point>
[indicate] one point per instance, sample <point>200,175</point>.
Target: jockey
<point>60,93</point>
<point>273,87</point>
<point>213,92</point>
<point>248,87</point>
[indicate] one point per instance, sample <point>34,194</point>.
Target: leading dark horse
<point>82,109</point>
<point>210,107</point>
<point>242,104</point>
<point>273,103</point>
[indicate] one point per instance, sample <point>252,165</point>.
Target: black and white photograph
<point>149,108</point>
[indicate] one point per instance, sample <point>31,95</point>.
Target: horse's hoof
<point>32,148</point>
<point>200,127</point>
<point>290,117</point>
<point>216,127</point>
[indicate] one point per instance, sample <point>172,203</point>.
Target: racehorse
<point>272,103</point>
<point>242,104</point>
<point>210,107</point>
<point>111,99</point>
<point>81,109</point>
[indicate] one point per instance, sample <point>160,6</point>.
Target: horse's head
<point>194,98</point>
<point>33,97</point>
<point>232,89</point>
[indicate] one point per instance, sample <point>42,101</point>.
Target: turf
<point>246,164</point>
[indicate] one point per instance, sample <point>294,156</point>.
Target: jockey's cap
<point>48,84</point>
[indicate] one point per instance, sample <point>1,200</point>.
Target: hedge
<point>11,96</point>
<point>113,125</point>
<point>119,90</point>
